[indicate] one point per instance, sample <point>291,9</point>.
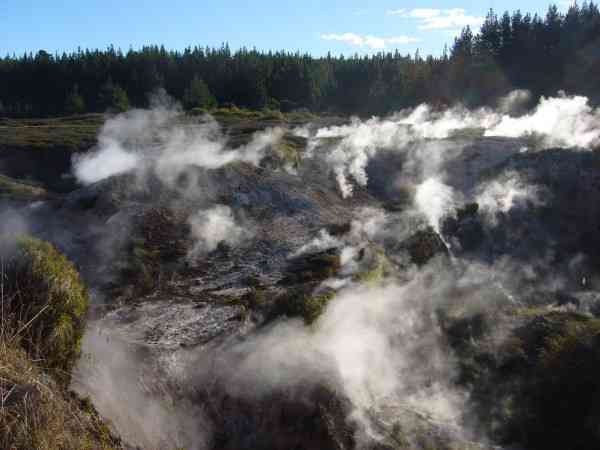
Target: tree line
<point>524,51</point>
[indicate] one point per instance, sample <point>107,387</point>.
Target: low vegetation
<point>376,269</point>
<point>73,133</point>
<point>17,189</point>
<point>46,301</point>
<point>307,306</point>
<point>43,306</point>
<point>228,114</point>
<point>467,211</point>
<point>559,360</point>
<point>424,245</point>
<point>38,413</point>
<point>543,382</point>
<point>312,268</point>
<point>156,246</point>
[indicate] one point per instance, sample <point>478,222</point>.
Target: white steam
<point>379,346</point>
<point>562,121</point>
<point>164,140</point>
<point>217,225</point>
<point>12,223</point>
<point>435,200</point>
<point>559,121</point>
<point>368,224</point>
<point>356,144</point>
<point>515,101</point>
<point>322,241</point>
<point>502,194</point>
<point>114,374</point>
<point>110,160</point>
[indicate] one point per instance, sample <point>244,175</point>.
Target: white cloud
<point>373,42</point>
<point>440,19</point>
<point>424,13</point>
<point>396,12</point>
<point>401,40</point>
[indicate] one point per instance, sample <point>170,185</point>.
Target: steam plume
<point>213,226</point>
<point>558,121</point>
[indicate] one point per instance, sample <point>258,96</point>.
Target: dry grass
<point>36,409</point>
<point>37,413</point>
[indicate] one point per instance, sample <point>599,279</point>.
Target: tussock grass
<point>45,300</point>
<point>36,412</point>
<point>42,304</point>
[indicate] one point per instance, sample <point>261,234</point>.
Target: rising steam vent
<point>423,280</point>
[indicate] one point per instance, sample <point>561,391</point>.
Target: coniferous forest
<point>518,51</point>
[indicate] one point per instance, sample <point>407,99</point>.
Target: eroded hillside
<point>426,280</point>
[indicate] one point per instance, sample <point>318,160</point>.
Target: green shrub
<point>424,245</point>
<point>312,268</point>
<point>46,301</point>
<point>541,387</point>
<point>157,244</point>
<point>562,376</point>
<point>313,306</point>
<point>376,270</point>
<point>197,95</point>
<point>75,104</point>
<point>113,97</point>
<point>309,307</point>
<point>468,210</point>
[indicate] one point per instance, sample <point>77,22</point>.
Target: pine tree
<point>113,97</point>
<point>75,103</point>
<point>120,101</point>
<point>197,95</point>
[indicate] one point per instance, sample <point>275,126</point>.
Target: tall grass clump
<point>44,302</point>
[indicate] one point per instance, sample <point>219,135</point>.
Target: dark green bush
<point>562,394</point>
<point>541,387</point>
<point>468,210</point>
<point>309,307</point>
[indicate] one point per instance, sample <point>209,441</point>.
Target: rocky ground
<point>506,295</point>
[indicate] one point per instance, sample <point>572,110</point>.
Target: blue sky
<point>339,26</point>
